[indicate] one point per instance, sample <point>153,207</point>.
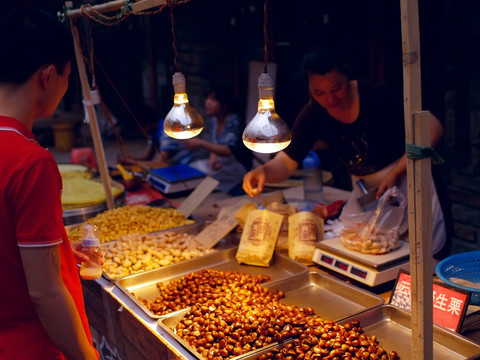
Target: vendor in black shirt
<point>363,124</point>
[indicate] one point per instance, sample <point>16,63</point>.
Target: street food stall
<point>132,317</point>
<point>224,308</point>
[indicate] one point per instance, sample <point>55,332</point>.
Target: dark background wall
<point>217,40</point>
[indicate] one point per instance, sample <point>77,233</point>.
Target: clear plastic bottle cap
<point>90,235</point>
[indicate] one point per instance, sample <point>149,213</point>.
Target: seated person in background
<point>222,134</point>
<point>171,151</point>
<point>174,151</point>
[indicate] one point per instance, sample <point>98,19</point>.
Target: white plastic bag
<point>375,231</point>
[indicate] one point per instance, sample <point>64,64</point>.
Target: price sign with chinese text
<point>449,305</point>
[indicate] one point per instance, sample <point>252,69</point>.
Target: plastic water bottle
<point>312,178</point>
<point>91,269</point>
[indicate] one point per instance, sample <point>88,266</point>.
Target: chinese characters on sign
<point>449,305</point>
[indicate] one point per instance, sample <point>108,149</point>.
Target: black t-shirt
<point>373,141</point>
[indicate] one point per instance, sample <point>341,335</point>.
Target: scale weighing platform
<point>176,178</point>
<point>369,269</point>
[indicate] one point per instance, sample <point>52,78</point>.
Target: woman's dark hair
<point>321,60</point>
<point>224,95</point>
<point>29,39</point>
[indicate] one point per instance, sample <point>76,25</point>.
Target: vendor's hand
<point>254,181</point>
<point>388,181</point>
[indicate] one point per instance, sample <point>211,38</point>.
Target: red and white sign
<point>449,306</point>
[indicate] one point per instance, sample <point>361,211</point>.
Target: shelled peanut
<point>132,219</point>
<point>135,253</point>
<point>232,314</point>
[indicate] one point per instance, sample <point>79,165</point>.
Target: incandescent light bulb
<point>182,121</point>
<point>266,132</point>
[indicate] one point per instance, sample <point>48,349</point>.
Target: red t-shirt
<point>30,215</point>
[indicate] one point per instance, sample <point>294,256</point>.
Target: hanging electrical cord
<point>265,36</point>
<point>266,132</point>
<point>174,38</point>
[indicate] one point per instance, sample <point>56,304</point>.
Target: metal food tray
<point>145,284</point>
<point>392,327</point>
<point>331,298</point>
<point>230,240</point>
<point>168,324</point>
<point>73,226</point>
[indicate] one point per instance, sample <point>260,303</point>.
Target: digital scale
<point>174,179</point>
<point>369,269</point>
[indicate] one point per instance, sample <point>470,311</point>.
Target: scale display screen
<point>360,273</point>
<point>341,265</point>
<point>327,259</point>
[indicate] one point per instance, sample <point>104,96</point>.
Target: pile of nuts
<point>375,243</point>
<point>232,314</point>
<point>132,219</point>
<point>328,340</point>
<point>135,253</point>
<point>202,287</point>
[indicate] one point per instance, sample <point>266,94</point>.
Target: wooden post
<point>138,6</point>
<point>417,126</point>
<point>92,116</point>
<point>421,262</point>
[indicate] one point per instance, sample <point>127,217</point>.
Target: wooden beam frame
<point>90,112</point>
<point>114,5</point>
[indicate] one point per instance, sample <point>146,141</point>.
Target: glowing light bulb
<point>182,121</point>
<point>266,132</point>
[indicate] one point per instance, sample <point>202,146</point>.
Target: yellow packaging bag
<point>259,238</point>
<point>305,229</point>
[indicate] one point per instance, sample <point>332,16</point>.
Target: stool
<point>64,136</point>
<point>84,156</point>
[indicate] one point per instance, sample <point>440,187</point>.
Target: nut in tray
<point>137,253</point>
<point>260,331</point>
<point>329,297</point>
<point>130,219</point>
<point>144,285</point>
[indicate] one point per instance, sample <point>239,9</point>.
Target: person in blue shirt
<point>222,138</point>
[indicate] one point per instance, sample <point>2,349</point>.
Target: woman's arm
<point>54,304</point>
<point>280,168</point>
<point>436,133</point>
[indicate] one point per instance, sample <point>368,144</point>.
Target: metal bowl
<point>80,214</point>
